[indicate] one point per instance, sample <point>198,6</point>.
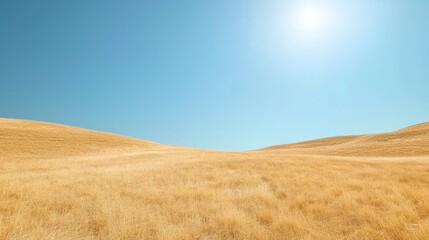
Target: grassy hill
<point>410,141</point>
<point>60,182</point>
<point>21,139</point>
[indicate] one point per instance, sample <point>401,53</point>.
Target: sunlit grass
<point>214,196</point>
<point>66,183</point>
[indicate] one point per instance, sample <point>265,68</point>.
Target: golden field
<point>59,182</point>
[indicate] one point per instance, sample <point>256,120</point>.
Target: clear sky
<point>224,74</point>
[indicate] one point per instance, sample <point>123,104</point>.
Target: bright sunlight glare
<point>311,19</point>
<point>312,25</point>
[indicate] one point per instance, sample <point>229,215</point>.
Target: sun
<point>311,19</point>
<point>313,27</point>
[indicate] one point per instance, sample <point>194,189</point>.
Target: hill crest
<point>31,139</point>
<point>25,139</point>
<point>409,141</point>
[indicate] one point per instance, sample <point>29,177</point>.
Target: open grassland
<point>122,188</point>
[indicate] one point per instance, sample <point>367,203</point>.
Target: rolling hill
<point>410,141</point>
<point>31,139</point>
<point>60,182</point>
<point>22,139</point>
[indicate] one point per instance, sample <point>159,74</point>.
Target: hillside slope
<point>410,141</point>
<point>30,139</point>
<point>90,185</point>
<point>23,139</point>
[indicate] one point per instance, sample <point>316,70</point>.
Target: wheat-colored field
<point>59,182</point>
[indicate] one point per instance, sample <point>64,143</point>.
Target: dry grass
<point>150,191</point>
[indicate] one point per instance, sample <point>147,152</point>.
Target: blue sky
<point>223,74</point>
